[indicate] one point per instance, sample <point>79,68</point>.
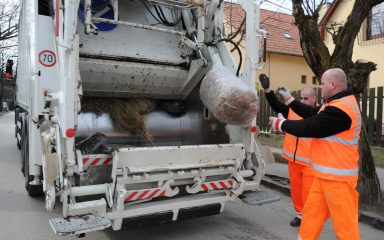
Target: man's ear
<point>333,84</point>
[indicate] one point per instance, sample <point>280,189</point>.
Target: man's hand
<point>264,80</point>
<point>286,95</point>
<point>276,122</point>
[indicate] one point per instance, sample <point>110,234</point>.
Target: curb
<point>266,181</point>
<point>367,217</point>
<point>372,219</point>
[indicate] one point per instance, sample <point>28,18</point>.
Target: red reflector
<point>70,132</point>
<point>253,129</point>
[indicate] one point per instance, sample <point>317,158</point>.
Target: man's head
<point>333,82</point>
<point>308,96</point>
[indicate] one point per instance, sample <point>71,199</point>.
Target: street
<point>22,217</point>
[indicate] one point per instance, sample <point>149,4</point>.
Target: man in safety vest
<point>295,149</point>
<point>335,130</point>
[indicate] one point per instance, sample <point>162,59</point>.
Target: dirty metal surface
<point>259,198</point>
<point>78,225</point>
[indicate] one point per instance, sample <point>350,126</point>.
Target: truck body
<point>158,50</point>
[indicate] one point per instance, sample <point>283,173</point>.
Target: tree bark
<point>368,184</point>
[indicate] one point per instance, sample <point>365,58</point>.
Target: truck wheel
<point>33,190</point>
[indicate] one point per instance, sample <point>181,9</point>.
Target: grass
<point>378,156</point>
<point>276,141</point>
<point>273,140</point>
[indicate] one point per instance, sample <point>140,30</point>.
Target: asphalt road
<point>22,217</point>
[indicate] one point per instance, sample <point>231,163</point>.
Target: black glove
<point>264,80</point>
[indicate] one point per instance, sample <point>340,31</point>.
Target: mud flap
<point>259,197</point>
<point>79,225</point>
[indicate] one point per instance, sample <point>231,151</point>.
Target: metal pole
<point>138,25</point>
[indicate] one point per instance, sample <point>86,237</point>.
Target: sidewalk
<point>280,170</point>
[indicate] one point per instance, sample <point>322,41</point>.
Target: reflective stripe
<point>335,171</point>
<point>302,159</point>
<point>355,140</point>
<point>357,112</point>
<point>341,140</point>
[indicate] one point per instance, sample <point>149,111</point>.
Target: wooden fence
<point>371,106</point>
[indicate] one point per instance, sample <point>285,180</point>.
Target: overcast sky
<point>284,6</point>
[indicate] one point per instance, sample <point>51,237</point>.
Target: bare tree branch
<point>317,57</point>
<point>8,20</point>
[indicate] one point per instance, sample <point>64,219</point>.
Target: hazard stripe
<point>153,194</point>
<point>85,160</point>
<point>106,162</point>
<point>213,185</point>
<point>209,186</point>
<point>230,183</point>
<point>132,195</point>
<point>142,195</point>
<point>204,187</point>
<point>94,162</point>
<point>222,184</point>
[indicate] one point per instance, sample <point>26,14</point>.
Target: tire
<point>33,190</point>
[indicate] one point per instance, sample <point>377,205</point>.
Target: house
<point>285,63</point>
<point>369,44</point>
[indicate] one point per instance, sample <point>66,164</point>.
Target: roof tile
<point>275,23</point>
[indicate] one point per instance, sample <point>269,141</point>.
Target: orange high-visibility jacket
<point>296,149</point>
<point>336,157</point>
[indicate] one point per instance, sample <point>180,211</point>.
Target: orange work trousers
<point>300,177</point>
<point>337,199</point>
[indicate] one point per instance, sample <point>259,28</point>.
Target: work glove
<point>286,95</point>
<point>264,80</point>
<point>276,122</point>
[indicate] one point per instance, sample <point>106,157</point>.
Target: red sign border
<point>47,65</point>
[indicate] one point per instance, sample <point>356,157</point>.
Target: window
<point>303,79</point>
<point>314,80</point>
<point>286,35</point>
<point>375,22</point>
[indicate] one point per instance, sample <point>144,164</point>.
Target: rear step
<point>79,225</point>
<point>259,197</point>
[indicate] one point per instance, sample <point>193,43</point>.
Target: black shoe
<point>295,222</point>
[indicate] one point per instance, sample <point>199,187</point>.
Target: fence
<point>371,106</point>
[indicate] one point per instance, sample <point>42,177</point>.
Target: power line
<point>279,6</point>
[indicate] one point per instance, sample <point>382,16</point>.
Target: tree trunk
<point>368,184</point>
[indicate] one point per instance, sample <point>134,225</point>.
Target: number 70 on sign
<point>47,58</point>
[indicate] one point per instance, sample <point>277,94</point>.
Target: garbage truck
<point>85,70</point>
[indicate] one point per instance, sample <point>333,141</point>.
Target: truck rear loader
<point>111,52</point>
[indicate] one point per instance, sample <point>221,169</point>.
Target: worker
<point>295,149</point>
<point>335,131</point>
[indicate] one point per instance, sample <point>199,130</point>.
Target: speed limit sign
<point>47,58</point>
